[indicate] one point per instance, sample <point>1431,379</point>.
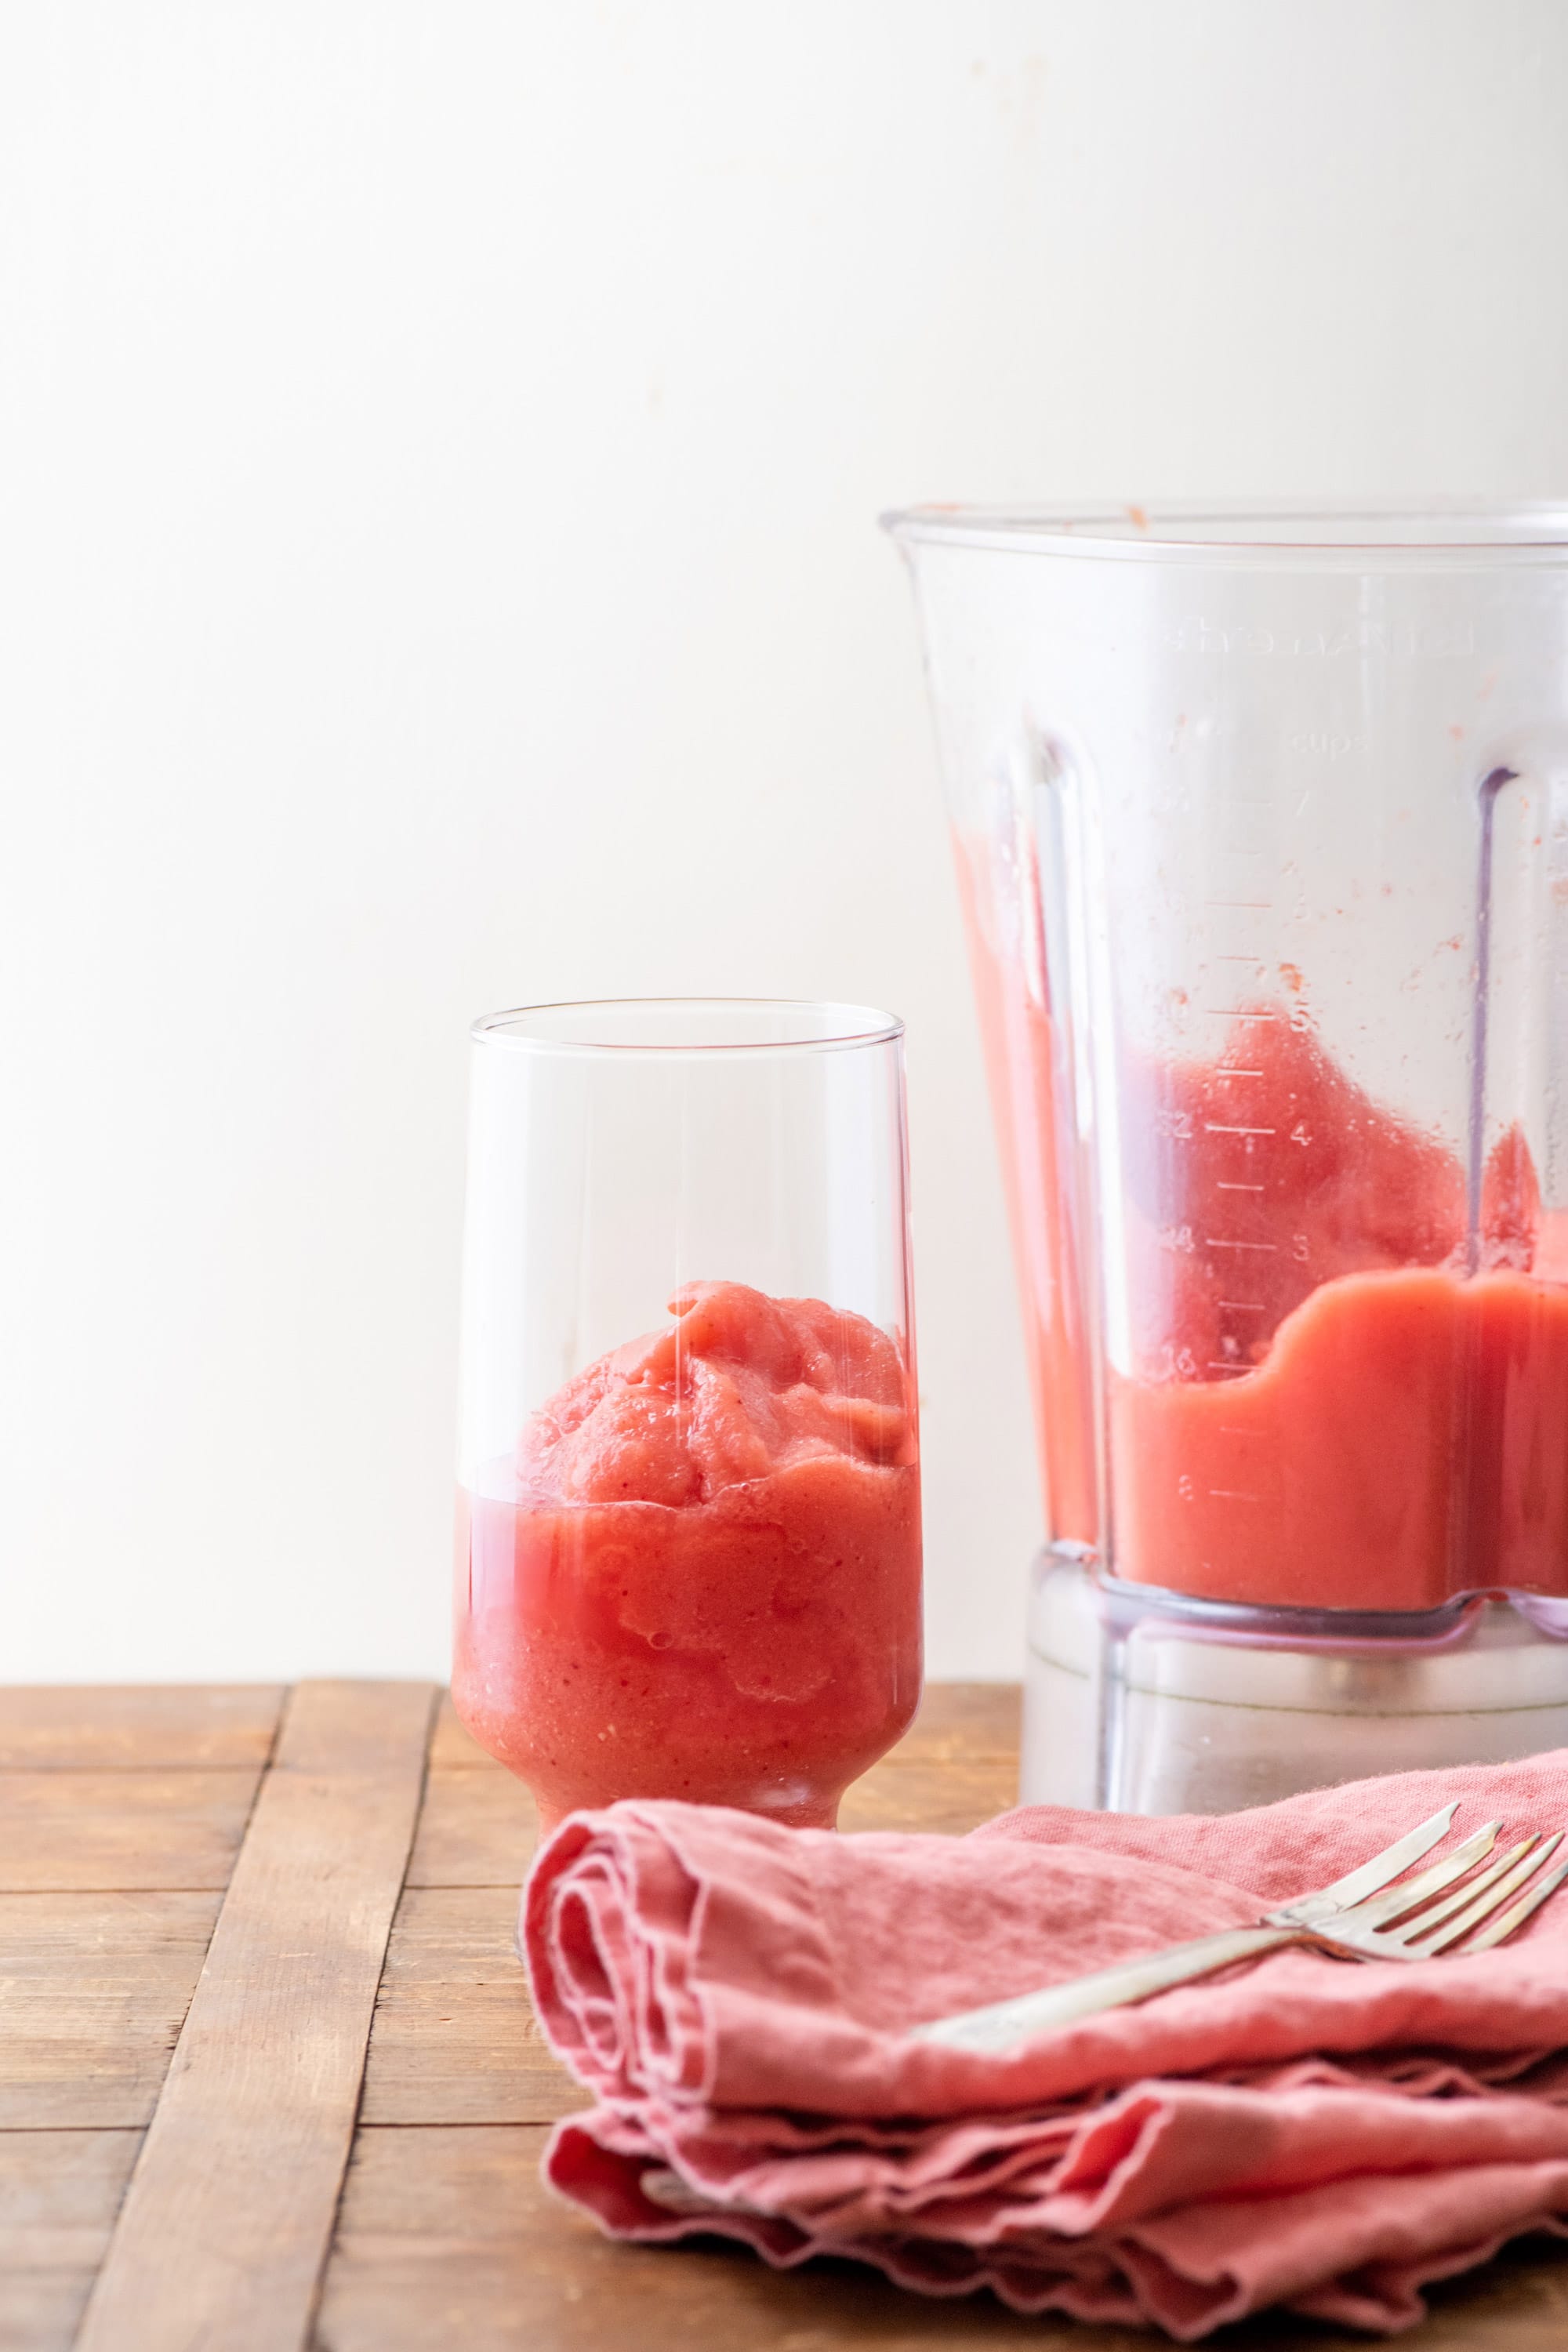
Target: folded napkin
<point>1305,2132</point>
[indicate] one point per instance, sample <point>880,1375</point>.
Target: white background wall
<point>439,445</point>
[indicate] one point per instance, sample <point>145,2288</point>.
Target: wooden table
<point>270,2081</point>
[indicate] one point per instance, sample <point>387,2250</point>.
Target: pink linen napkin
<point>1305,2132</point>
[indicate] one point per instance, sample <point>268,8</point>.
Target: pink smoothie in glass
<point>699,1575</point>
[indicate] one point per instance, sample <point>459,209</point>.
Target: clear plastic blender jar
<point>1261,828</point>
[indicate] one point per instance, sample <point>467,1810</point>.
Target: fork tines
<point>1413,1916</point>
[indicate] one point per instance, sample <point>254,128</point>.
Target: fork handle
<point>1004,2024</point>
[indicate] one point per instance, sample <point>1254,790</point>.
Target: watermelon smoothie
<point>1329,1392</point>
<point>1369,1408</point>
<point>698,1573</point>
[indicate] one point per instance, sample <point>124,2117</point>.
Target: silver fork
<point>1365,1916</point>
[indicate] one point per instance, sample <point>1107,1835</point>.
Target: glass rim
<point>852,1026</point>
<point>1407,533</point>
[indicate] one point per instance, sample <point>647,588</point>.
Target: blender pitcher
<point>1261,831</point>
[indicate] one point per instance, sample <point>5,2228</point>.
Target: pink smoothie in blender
<point>1262,838</point>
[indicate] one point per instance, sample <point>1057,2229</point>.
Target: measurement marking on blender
<point>1211,1127</point>
<point>1231,1495</point>
<point>1244,906</point>
<point>1241,1306</point>
<point>1222,1185</point>
<point>1227,1070</point>
<point>1213,1241</point>
<point>1232,1371</point>
<point>1234,1012</point>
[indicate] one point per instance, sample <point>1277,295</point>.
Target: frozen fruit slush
<point>1340,1398</point>
<point>699,1575</point>
<point>1328,1391</point>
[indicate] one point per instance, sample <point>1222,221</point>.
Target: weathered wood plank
<point>59,2192</point>
<point>450,1745</point>
<point>134,1830</point>
<point>447,2237</point>
<point>455,2038</point>
<point>96,1987</point>
<point>150,1726</point>
<point>912,1793</point>
<point>229,2211</point>
<point>40,2309</point>
<point>476,1829</point>
<point>964,1723</point>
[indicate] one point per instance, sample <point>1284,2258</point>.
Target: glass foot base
<point>1137,1701</point>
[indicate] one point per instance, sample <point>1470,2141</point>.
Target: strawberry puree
<point>1402,1440</point>
<point>1329,1394</point>
<point>1326,1409</point>
<point>700,1574</point>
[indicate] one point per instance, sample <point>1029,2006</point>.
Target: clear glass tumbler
<point>1261,826</point>
<point>688,1541</point>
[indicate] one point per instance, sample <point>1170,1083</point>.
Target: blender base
<point>1139,1701</point>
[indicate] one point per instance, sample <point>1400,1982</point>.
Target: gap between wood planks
<point>229,2214</point>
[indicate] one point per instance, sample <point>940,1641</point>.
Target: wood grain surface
<point>59,2191</point>
<point>352,1941</point>
<point>90,1830</point>
<point>226,2222</point>
<point>148,1727</point>
<point>455,2039</point>
<point>93,1990</point>
<point>477,1828</point>
<point>480,2255</point>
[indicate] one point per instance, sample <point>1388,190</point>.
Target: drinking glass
<point>689,1536</point>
